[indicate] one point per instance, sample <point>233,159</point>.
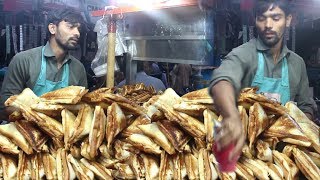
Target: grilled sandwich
<point>152,130</point>
<point>11,132</point>
<point>67,95</point>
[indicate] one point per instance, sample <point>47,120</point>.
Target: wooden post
<point>111,52</point>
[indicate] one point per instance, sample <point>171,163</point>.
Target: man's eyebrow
<point>271,15</point>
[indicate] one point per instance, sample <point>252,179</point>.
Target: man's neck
<point>58,51</point>
<point>275,51</point>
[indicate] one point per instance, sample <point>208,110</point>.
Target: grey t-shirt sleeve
<point>15,78</point>
<point>303,98</point>
<point>231,69</point>
<point>83,81</point>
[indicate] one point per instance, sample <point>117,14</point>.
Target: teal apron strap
<point>285,73</point>
<point>260,69</point>
<point>65,75</point>
<point>43,70</point>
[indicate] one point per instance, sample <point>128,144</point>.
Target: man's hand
<point>231,127</point>
<point>231,132</point>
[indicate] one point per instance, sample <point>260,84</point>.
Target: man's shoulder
<point>244,52</point>
<point>295,57</point>
<point>29,52</point>
<point>248,46</point>
<point>27,55</point>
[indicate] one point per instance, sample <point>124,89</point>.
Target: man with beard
<point>48,67</point>
<point>265,62</point>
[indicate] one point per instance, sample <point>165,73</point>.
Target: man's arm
<point>303,97</point>
<point>83,78</point>
<point>13,83</point>
<point>231,130</point>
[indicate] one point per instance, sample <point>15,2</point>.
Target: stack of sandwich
<point>75,134</point>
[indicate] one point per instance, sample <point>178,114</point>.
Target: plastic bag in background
<point>99,63</point>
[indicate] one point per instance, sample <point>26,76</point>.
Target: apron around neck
<point>272,85</point>
<point>43,85</point>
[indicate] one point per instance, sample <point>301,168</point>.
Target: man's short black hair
<point>65,14</point>
<point>262,6</point>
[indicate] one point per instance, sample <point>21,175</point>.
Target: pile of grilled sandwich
<point>71,133</point>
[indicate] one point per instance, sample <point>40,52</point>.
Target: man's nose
<point>76,32</point>
<point>269,23</point>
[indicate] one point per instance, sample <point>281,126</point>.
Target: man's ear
<point>288,20</point>
<point>52,28</point>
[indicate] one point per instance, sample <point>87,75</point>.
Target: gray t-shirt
<point>24,69</point>
<point>240,65</point>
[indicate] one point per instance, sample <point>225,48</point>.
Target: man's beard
<point>66,46</point>
<point>270,42</point>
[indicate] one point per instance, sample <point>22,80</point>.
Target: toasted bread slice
<point>287,150</point>
<point>315,157</point>
<point>82,171</point>
<point>209,119</point>
<point>193,126</point>
<point>11,132</point>
<point>7,146</point>
<point>82,123</point>
<point>67,95</point>
<point>133,127</point>
<point>201,96</point>
<point>65,170</point>
<point>9,166</point>
<point>305,164</point>
<point>98,131</point>
<point>166,169</point>
<point>152,130</point>
<point>123,171</point>
<point>309,128</point>
<point>26,98</point>
<point>247,152</point>
<point>258,122</point>
<point>259,171</point>
<point>138,167</point>
<point>144,143</point>
<point>290,170</point>
<point>24,166</point>
<point>124,150</point>
<point>244,119</point>
<point>116,122</point>
<point>49,109</point>
<point>49,166</point>
<point>288,130</point>
<point>275,172</point>
<point>192,109</point>
<point>270,106</point>
<point>37,172</point>
<point>32,134</point>
<point>99,170</point>
<point>175,135</point>
<point>96,95</point>
<point>243,172</point>
<point>125,104</point>
<point>205,166</point>
<point>85,149</point>
<point>151,165</point>
<point>192,168</point>
<point>263,151</point>
<point>68,119</point>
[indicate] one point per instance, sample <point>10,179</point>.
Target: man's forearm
<point>224,97</point>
